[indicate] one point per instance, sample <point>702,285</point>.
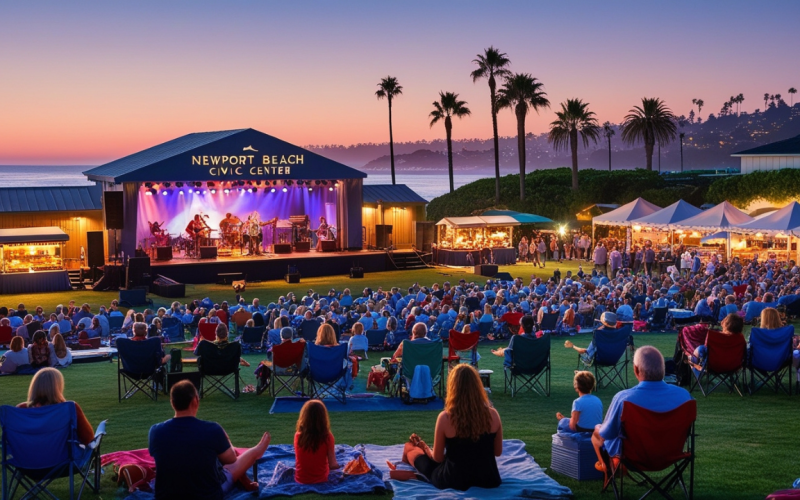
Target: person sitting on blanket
<point>608,320</point>
<point>419,335</point>
<point>195,458</point>
<point>47,388</point>
<point>315,453</point>
<point>15,357</point>
<point>652,393</point>
<point>526,323</point>
<point>358,343</point>
<point>40,352</point>
<point>468,437</point>
<point>587,410</point>
<point>221,342</point>
<point>140,335</point>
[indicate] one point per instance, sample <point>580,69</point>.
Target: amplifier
<point>328,245</point>
<point>163,253</point>
<point>282,248</point>
<point>292,278</point>
<point>208,252</point>
<point>302,246</point>
<point>356,272</point>
<point>486,270</point>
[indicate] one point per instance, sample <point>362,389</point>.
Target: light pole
<point>682,135</point>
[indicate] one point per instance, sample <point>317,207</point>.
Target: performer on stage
<point>229,227</point>
<point>322,233</point>
<point>253,227</point>
<point>198,229</point>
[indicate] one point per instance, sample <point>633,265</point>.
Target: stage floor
<point>268,266</point>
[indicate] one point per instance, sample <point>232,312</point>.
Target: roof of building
<point>50,199</point>
<point>388,193</point>
<point>32,235</point>
<point>211,156</point>
<point>787,147</point>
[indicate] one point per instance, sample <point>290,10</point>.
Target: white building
<point>773,156</point>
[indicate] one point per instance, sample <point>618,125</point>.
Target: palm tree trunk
<point>648,151</point>
<point>520,112</point>
<point>391,140</point>
<point>492,86</point>
<point>573,144</point>
<point>448,127</point>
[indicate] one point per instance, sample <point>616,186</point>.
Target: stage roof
<point>32,235</point>
<point>244,154</point>
<point>388,193</point>
<point>50,199</point>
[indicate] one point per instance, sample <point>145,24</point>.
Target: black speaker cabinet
<point>163,253</point>
<point>96,249</point>
<point>134,297</point>
<point>328,245</point>
<point>282,248</point>
<point>208,252</point>
<point>112,208</point>
<point>292,278</point>
<point>356,272</point>
<point>486,270</point>
<point>138,271</point>
<point>302,246</point>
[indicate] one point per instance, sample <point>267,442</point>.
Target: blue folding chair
<point>327,371</point>
<point>308,330</point>
<point>41,444</point>
<point>139,363</point>
<point>530,362</point>
<point>484,328</point>
<point>770,358</point>
<point>253,338</point>
<point>376,339</point>
<point>172,329</point>
<point>549,322</point>
<point>610,360</point>
<point>114,324</point>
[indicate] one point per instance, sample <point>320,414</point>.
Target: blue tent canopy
<point>520,217</point>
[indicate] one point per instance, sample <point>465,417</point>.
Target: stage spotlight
<point>258,183</point>
<point>165,192</point>
<point>213,191</point>
<point>285,190</point>
<point>179,184</point>
<point>330,188</point>
<point>310,189</point>
<point>249,190</point>
<point>204,191</point>
<point>167,184</point>
<point>226,191</point>
<point>209,184</point>
<point>180,192</point>
<point>325,183</point>
<point>272,190</point>
<point>316,182</point>
<point>289,183</point>
<point>191,191</point>
<point>198,184</point>
<point>254,190</point>
<point>148,193</point>
<point>336,183</point>
<point>148,185</point>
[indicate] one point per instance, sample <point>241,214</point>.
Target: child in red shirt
<point>314,449</point>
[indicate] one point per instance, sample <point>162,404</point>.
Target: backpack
<point>175,361</point>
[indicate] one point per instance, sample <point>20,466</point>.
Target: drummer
<point>228,221</point>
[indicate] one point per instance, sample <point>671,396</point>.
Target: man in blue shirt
<point>651,393</point>
<point>728,308</point>
<point>195,458</point>
<point>526,324</point>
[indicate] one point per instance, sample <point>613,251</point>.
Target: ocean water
<point>429,186</point>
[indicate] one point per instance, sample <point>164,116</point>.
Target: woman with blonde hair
<point>770,319</point>
<point>468,437</point>
<point>53,331</point>
<point>47,388</point>
<point>63,354</point>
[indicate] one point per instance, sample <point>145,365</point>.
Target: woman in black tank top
<point>468,437</point>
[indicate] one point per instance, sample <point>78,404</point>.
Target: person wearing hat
<point>608,320</point>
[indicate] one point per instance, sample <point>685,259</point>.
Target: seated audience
<point>314,445</point>
<point>195,458</point>
<point>358,345</point>
<point>40,351</point>
<point>221,342</point>
<point>733,324</point>
<point>15,357</point>
<point>419,335</point>
<point>526,324</point>
<point>587,410</point>
<point>63,355</point>
<point>770,319</point>
<point>140,334</point>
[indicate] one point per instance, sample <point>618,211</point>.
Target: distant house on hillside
<point>773,156</point>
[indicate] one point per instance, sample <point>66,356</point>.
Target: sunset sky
<point>87,82</point>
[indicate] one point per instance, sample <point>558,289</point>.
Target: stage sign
<point>248,165</point>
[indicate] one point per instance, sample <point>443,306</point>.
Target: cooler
<point>574,456</point>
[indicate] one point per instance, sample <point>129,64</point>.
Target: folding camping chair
<point>724,362</point>
<point>6,334</point>
<point>740,290</point>
<point>217,366</point>
<point>308,330</point>
<point>659,320</point>
<point>462,348</point>
<point>172,329</point>
<point>115,324</point>
<point>139,363</point>
<point>530,361</point>
<point>484,328</point>
<point>610,359</point>
<point>223,316</point>
<point>654,442</point>
<point>420,353</point>
<point>28,432</point>
<point>770,358</point>
<point>549,322</point>
<point>253,338</point>
<point>376,339</point>
<point>327,368</point>
<point>689,338</point>
<point>207,331</point>
<point>287,367</point>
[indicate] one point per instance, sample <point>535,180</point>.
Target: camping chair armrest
<point>98,435</point>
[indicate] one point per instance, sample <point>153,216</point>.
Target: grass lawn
<point>743,448</point>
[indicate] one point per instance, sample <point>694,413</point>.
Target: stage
<point>269,266</point>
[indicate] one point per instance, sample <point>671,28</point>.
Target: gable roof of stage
<point>53,199</point>
<point>173,160</point>
<point>388,193</point>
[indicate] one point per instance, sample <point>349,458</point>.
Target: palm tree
<point>792,91</point>
<point>766,100</point>
<point>574,119</point>
<point>389,88</point>
<point>652,121</point>
<point>609,132</point>
<point>493,63</point>
<point>739,101</point>
<point>522,92</point>
<point>699,103</point>
<point>446,107</point>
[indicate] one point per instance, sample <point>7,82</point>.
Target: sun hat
<point>608,319</point>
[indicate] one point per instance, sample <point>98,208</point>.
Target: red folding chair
<point>287,363</point>
<point>462,342</point>
<point>6,334</point>
<point>654,442</point>
<point>207,331</point>
<point>691,337</point>
<point>739,291</point>
<point>725,359</point>
<point>223,316</point>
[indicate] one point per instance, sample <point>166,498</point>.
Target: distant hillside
<point>707,145</point>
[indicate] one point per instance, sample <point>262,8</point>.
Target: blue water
<point>427,186</point>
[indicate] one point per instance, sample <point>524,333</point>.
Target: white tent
<point>779,221</point>
<point>723,216</point>
<point>678,211</point>
<point>482,221</point>
<point>623,215</point>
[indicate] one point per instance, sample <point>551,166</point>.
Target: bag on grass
<point>134,477</point>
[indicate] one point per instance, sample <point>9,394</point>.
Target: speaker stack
<point>113,210</point>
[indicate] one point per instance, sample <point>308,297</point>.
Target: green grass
<point>744,445</point>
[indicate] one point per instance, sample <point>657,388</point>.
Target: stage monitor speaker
<point>208,252</point>
<point>486,270</point>
<point>356,272</point>
<point>302,246</point>
<point>383,235</point>
<point>138,272</point>
<point>96,249</point>
<point>133,297</point>
<point>163,253</point>
<point>292,278</point>
<point>328,245</point>
<point>113,209</point>
<point>282,248</point>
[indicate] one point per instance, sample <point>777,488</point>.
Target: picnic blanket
<point>522,477</point>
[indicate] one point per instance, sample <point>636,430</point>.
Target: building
<point>395,210</point>
<point>773,156</point>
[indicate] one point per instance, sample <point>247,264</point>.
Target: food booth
<point>467,241</point>
<point>31,260</point>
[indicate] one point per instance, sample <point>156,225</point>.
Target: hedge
<point>774,186</point>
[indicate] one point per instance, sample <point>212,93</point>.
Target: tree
<point>699,103</point>
<point>491,64</point>
<point>574,120</point>
<point>652,121</point>
<point>446,107</point>
<point>609,132</point>
<point>691,116</point>
<point>739,101</point>
<point>778,100</point>
<point>389,88</point>
<point>766,100</point>
<point>792,91</point>
<point>520,93</point>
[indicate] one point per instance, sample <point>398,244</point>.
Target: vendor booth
<point>31,260</point>
<point>467,241</point>
<point>723,217</point>
<point>623,217</point>
<point>656,229</point>
<point>772,233</point>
